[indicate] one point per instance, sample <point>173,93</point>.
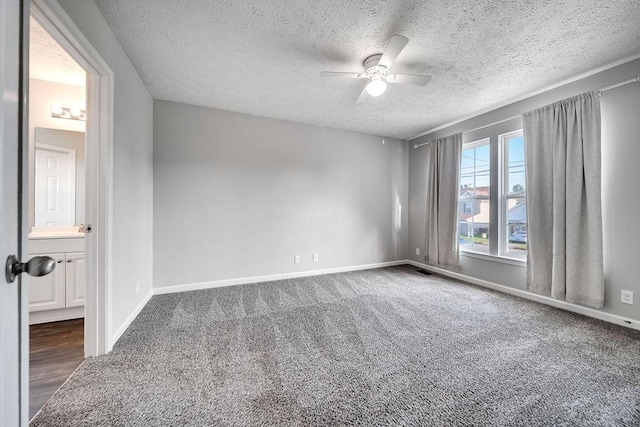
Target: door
<point>75,275</point>
<point>55,187</point>
<point>13,375</point>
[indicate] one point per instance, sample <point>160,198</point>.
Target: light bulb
<point>56,109</point>
<point>376,87</point>
<point>75,112</point>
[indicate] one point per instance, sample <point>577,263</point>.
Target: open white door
<point>13,376</point>
<point>14,331</point>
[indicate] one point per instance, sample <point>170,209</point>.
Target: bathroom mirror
<point>57,171</point>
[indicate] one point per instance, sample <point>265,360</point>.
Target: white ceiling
<point>265,57</point>
<point>48,61</point>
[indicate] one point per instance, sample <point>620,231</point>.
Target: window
<point>492,208</point>
<point>474,209</point>
<point>513,196</point>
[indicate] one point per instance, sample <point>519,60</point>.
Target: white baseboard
<point>269,278</point>
<point>116,336</point>
<point>587,311</point>
<point>46,316</point>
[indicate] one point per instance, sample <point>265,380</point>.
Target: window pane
<point>474,206</point>
<point>474,227</point>
<point>515,165</point>
<point>475,171</point>
<point>517,227</point>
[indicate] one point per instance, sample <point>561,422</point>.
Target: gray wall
<point>620,206</point>
<point>620,173</point>
<point>238,196</point>
<point>132,166</point>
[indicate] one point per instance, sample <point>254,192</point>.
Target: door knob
<point>36,266</point>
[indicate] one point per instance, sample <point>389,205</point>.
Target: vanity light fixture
<point>70,113</point>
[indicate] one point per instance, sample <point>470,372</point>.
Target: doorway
<point>67,192</point>
<point>56,199</point>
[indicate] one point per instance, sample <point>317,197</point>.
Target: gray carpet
<point>380,347</point>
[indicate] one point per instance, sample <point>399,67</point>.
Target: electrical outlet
<point>417,251</point>
<point>626,297</point>
<point>316,257</point>
<point>137,287</point>
<point>296,259</point>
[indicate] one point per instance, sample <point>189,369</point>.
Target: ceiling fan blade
<point>394,48</point>
<point>343,75</point>
<point>363,96</point>
<point>409,79</point>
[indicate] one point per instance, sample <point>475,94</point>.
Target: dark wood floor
<point>55,350</point>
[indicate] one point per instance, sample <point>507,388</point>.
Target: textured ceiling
<point>48,61</point>
<point>265,57</point>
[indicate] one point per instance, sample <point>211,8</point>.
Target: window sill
<point>495,258</point>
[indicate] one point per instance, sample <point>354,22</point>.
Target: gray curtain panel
<point>564,212</point>
<point>442,201</point>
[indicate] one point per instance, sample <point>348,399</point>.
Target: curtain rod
<point>474,129</point>
<point>626,82</point>
<point>604,89</point>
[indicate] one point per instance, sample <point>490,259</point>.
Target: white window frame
<point>467,146</point>
<point>503,195</point>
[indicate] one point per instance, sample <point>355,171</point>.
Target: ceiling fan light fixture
<point>376,70</point>
<point>376,87</point>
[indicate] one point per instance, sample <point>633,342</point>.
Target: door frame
<point>99,171</point>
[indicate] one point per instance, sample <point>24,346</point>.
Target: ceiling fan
<point>376,69</point>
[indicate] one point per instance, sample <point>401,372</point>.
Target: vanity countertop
<point>55,235</point>
<point>72,232</point>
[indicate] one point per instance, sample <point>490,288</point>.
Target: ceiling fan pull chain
<point>383,119</point>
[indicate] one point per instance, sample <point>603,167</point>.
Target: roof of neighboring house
<point>469,191</point>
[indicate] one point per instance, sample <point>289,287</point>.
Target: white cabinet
<point>75,278</point>
<point>48,292</point>
<point>62,288</point>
